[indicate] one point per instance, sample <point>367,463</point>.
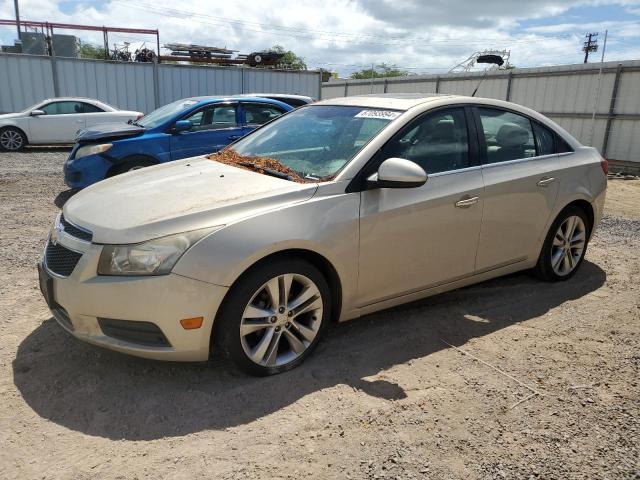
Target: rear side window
<point>258,114</point>
<point>89,108</point>
<point>562,146</point>
<point>508,136</point>
<point>545,140</point>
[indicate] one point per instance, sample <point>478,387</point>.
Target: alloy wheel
<point>11,140</point>
<point>568,245</point>
<point>281,320</point>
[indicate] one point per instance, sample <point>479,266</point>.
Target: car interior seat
<point>512,140</point>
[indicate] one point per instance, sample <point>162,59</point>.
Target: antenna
<point>487,58</point>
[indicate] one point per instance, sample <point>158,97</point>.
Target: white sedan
<point>56,120</point>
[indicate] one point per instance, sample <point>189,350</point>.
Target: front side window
<point>316,141</point>
<point>213,117</point>
<point>63,108</point>
<point>258,114</point>
<point>438,142</point>
<point>508,136</point>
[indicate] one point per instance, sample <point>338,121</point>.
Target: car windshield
<point>162,114</point>
<point>315,141</point>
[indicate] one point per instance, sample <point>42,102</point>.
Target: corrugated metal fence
<point>566,94</point>
<point>27,79</point>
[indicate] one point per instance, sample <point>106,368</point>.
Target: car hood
<point>108,131</point>
<point>11,115</point>
<point>177,197</point>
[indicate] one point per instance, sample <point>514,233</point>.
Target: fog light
<point>191,323</point>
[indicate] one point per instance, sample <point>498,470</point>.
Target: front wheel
<point>131,165</point>
<point>565,246</point>
<point>274,316</point>
<point>12,139</point>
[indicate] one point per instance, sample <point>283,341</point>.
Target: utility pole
<point>591,45</point>
<point>15,4</point>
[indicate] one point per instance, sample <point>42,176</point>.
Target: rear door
<point>255,114</point>
<point>214,127</point>
<point>94,115</point>
<point>416,238</point>
<point>60,123</point>
<point>521,176</point>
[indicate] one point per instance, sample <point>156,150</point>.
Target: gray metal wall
<point>567,94</point>
<point>26,79</point>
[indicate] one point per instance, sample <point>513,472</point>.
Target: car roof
<point>206,99</point>
<point>397,101</point>
<point>279,95</point>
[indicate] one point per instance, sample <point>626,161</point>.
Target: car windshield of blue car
<point>163,114</point>
<point>316,141</point>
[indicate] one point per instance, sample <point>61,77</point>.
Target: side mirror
<point>37,113</point>
<point>182,126</point>
<point>397,173</point>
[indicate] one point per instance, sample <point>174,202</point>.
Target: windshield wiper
<point>267,171</point>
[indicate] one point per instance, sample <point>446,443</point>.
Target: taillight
<point>140,115</point>
<point>604,163</point>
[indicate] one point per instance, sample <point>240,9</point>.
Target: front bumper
<point>85,171</point>
<point>80,300</point>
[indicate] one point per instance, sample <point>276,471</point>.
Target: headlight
<point>155,257</point>
<point>92,150</point>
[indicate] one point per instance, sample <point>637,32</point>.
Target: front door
<point>521,176</point>
<point>415,238</point>
<point>214,127</point>
<point>59,124</point>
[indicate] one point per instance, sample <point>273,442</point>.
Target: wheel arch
<point>318,260</point>
<point>130,158</point>
<point>17,127</point>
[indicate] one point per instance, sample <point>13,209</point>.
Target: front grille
<point>142,333</point>
<point>74,231</point>
<point>61,260</point>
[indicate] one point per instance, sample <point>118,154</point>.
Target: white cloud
<point>346,35</point>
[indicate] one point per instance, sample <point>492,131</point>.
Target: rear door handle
<point>546,181</point>
<point>467,202</point>
<point>234,137</point>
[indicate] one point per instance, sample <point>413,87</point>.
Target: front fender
<point>326,225</point>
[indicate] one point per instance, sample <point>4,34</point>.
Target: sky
<point>428,36</point>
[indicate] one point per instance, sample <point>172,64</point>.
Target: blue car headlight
<point>92,150</point>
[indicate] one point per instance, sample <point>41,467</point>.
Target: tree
<point>380,71</point>
<point>290,59</point>
<point>91,51</point>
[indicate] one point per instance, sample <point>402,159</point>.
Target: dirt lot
<point>382,397</point>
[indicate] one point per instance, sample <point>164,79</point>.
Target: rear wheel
<point>565,246</point>
<point>274,316</point>
<point>12,139</point>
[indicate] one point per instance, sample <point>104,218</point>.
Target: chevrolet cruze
<point>330,212</point>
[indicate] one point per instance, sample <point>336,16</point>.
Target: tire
<point>132,164</point>
<point>561,256</point>
<point>271,344</point>
<point>12,139</point>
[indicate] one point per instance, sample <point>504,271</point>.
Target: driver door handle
<point>467,201</point>
<point>234,137</point>
<point>546,181</point>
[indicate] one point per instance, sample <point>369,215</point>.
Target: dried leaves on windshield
<point>229,157</point>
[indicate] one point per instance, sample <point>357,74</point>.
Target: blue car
<point>186,128</point>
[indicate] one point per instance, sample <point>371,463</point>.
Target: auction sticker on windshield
<point>384,114</point>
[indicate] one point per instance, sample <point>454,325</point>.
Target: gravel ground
<point>441,388</point>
